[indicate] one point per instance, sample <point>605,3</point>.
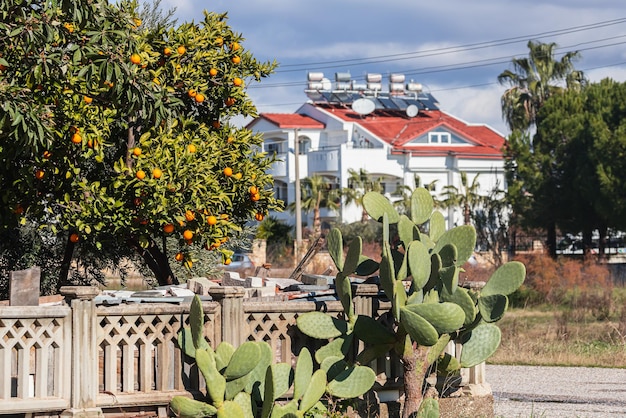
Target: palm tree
<point>317,193</point>
<point>533,80</point>
<point>465,197</point>
<point>360,183</point>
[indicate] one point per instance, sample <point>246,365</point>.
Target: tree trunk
<point>65,264</point>
<point>602,232</point>
<point>415,367</point>
<point>156,261</point>
<point>551,239</point>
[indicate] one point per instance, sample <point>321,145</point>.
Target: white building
<point>393,135</point>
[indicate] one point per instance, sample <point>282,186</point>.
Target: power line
<point>458,87</point>
<point>458,66</point>
<point>447,50</point>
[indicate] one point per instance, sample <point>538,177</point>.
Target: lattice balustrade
<point>34,347</point>
<point>275,323</point>
<point>138,349</point>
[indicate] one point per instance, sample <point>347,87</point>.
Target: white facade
<point>332,141</point>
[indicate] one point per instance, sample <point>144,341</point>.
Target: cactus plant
<point>244,382</point>
<point>433,311</point>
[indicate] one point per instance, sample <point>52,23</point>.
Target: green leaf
<point>420,330</point>
<point>446,317</point>
<point>376,205</point>
<point>352,382</point>
<point>421,205</point>
<point>334,243</point>
<point>492,307</point>
<point>320,325</point>
<point>463,238</point>
<point>304,371</point>
<point>437,226</point>
<point>505,280</point>
<point>314,391</point>
<point>479,344</point>
<point>242,362</point>
<point>339,347</point>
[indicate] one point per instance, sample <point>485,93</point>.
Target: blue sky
<point>455,48</point>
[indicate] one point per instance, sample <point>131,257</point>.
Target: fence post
<point>84,373</point>
<point>232,324</point>
<point>363,297</point>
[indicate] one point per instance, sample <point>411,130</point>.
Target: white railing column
<point>84,381</point>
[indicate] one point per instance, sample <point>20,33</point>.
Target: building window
<point>273,147</point>
<point>439,138</point>
<point>280,191</point>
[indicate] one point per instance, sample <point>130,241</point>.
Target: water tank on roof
<point>396,78</point>
<point>342,77</point>
<point>315,76</point>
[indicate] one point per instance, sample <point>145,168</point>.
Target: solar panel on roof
<point>400,103</point>
<point>417,103</point>
<point>429,101</point>
<point>388,103</point>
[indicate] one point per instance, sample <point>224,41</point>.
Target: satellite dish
<point>412,111</point>
<point>363,106</point>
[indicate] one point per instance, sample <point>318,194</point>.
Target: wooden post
<point>230,299</point>
<point>84,381</point>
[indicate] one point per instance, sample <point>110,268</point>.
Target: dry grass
<point>561,338</point>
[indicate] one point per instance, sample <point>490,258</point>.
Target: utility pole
<point>296,150</point>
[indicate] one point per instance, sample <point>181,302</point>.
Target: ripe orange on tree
<point>168,228</point>
<point>192,93</point>
<point>181,50</point>
<point>259,217</point>
<point>191,148</point>
<point>234,46</point>
<point>213,72</point>
<point>140,174</point>
<point>47,154</point>
<point>219,41</point>
<point>74,238</point>
<point>135,59</point>
<point>255,197</point>
<point>188,235</point>
<point>236,59</point>
<point>237,81</point>
<point>157,173</point>
<point>199,98</point>
<point>238,176</point>
<point>228,171</point>
<point>87,99</point>
<point>227,261</point>
<point>211,220</point>
<point>39,174</point>
<point>136,151</point>
<point>76,138</point>
<point>167,51</point>
<point>253,190</point>
<point>230,101</point>
<point>230,139</point>
<point>179,256</point>
<point>189,215</point>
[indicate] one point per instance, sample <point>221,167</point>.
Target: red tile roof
<point>292,120</point>
<point>398,130</point>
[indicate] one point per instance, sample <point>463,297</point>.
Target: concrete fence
<point>83,359</point>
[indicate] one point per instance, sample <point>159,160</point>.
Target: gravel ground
<point>547,392</point>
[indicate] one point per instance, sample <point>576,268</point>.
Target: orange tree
<point>114,136</point>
